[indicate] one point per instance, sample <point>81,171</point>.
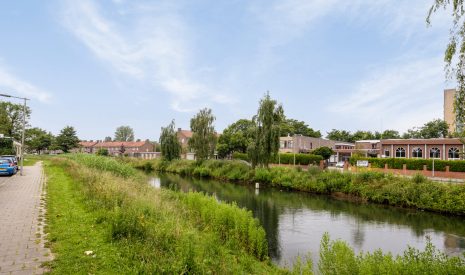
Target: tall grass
<point>416,192</point>
<point>163,231</point>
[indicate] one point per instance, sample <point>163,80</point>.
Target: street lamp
<point>24,126</point>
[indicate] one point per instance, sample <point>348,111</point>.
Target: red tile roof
<point>87,143</point>
<point>119,143</point>
<point>185,133</point>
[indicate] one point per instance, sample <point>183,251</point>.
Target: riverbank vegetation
<point>416,192</point>
<point>97,205</point>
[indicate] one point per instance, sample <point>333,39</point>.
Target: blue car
<point>7,167</point>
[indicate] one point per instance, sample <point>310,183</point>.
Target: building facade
<point>369,148</point>
<point>449,114</point>
<point>302,144</point>
<point>131,148</point>
<point>440,148</point>
<point>183,137</point>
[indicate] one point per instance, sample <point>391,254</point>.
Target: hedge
<point>300,159</point>
<point>414,164</point>
<point>6,147</point>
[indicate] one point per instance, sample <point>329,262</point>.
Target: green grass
<point>133,228</point>
<point>31,160</point>
<point>73,230</point>
<point>416,192</point>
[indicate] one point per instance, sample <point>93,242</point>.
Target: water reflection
<point>294,222</point>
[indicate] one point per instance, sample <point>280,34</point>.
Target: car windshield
<point>3,161</point>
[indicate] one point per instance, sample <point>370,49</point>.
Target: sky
<point>97,65</point>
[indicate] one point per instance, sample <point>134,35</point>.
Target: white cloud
<point>403,95</point>
<point>12,85</point>
<point>147,42</point>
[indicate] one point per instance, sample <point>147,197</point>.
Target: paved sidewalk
<point>22,211</point>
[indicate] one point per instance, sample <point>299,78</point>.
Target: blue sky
<point>96,65</point>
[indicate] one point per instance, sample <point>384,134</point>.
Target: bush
<point>414,164</point>
<point>102,152</point>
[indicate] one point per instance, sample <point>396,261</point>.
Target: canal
<point>295,222</point>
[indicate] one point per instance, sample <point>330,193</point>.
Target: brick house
<point>437,148</point>
<point>183,137</point>
<point>114,147</point>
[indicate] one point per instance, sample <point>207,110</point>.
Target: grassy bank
<point>98,204</point>
<point>133,228</point>
<point>417,192</point>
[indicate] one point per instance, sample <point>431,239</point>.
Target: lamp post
<point>24,126</point>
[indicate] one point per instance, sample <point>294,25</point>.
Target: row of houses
<point>439,148</point>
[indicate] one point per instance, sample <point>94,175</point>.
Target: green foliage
<point>67,139</point>
<point>104,164</point>
<point>124,133</point>
<point>323,151</point>
<point>102,152</point>
<point>300,159</point>
<point>340,135</point>
<point>38,140</point>
<point>6,146</point>
<point>236,138</point>
<point>437,128</point>
<point>294,127</point>
<point>413,164</point>
<point>417,192</point>
<point>336,257</point>
<point>11,119</point>
<point>169,143</point>
<point>203,140</point>
<point>267,132</point>
<point>136,229</point>
<point>455,54</point>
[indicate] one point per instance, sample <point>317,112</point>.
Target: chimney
<point>179,129</point>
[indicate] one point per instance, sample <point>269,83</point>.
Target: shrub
<point>102,152</point>
<point>414,164</point>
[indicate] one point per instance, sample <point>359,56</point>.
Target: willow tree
<point>169,143</point>
<point>454,56</point>
<point>267,132</point>
<point>203,140</point>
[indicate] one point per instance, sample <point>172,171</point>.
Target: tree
<point>11,119</point>
<point>37,139</point>
<point>323,151</point>
<point>389,134</point>
<point>203,140</point>
<point>455,54</point>
<point>294,127</point>
<point>102,152</point>
<point>437,128</point>
<point>267,132</point>
<point>340,135</point>
<point>67,139</point>
<point>236,138</point>
<point>107,139</point>
<point>169,143</point>
<point>124,133</point>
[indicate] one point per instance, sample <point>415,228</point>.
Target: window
<point>400,152</point>
<point>417,153</point>
<point>454,153</point>
<point>387,153</point>
<point>434,153</point>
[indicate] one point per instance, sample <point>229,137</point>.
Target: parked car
<point>340,164</point>
<point>12,158</point>
<point>7,167</point>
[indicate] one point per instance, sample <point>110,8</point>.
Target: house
<point>183,137</point>
<point>303,144</point>
<point>435,148</point>
<point>87,146</point>
<point>131,148</point>
<point>368,148</point>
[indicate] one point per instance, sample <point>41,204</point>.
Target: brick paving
<point>22,217</point>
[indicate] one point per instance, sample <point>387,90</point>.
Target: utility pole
<point>23,130</point>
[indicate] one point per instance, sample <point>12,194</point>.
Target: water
<point>295,222</point>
